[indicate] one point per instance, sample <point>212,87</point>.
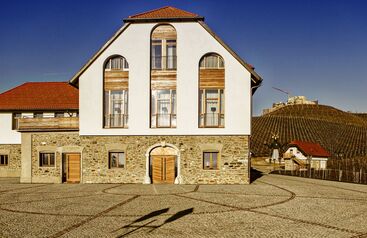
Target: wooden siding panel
<point>164,32</point>
<point>212,78</point>
<point>48,124</point>
<point>163,79</point>
<point>116,80</point>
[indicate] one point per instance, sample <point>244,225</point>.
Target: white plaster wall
<point>7,135</point>
<point>296,153</point>
<point>193,41</point>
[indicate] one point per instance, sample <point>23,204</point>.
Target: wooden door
<point>73,168</point>
<point>163,169</point>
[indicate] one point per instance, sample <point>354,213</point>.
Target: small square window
<point>47,159</point>
<point>4,160</point>
<point>38,114</point>
<point>59,114</point>
<point>117,160</point>
<point>210,160</point>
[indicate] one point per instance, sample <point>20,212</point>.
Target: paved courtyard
<point>273,206</point>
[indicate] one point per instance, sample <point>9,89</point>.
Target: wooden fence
<point>351,170</point>
<point>329,174</point>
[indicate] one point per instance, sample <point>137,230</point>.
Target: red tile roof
<point>309,148</point>
<point>164,12</point>
<point>40,96</point>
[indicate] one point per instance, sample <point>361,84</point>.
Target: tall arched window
<point>116,87</point>
<point>211,87</point>
<point>163,77</point>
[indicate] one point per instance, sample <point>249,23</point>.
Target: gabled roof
<point>166,13</point>
<point>40,96</point>
<point>310,149</point>
<point>174,14</point>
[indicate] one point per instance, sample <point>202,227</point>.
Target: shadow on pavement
<point>157,213</point>
<point>255,174</point>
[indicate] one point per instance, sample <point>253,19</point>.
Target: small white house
<point>300,153</point>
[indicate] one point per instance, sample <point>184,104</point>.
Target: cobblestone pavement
<point>272,206</point>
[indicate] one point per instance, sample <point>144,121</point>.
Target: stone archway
<point>162,149</point>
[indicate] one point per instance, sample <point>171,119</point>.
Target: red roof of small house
<point>310,149</point>
<point>164,13</point>
<point>40,96</point>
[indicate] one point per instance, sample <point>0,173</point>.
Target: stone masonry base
<point>232,161</point>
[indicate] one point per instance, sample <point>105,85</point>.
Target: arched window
<point>116,87</point>
<point>163,77</point>
<point>211,88</point>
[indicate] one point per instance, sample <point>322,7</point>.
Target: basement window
<point>4,160</point>
<point>47,159</point>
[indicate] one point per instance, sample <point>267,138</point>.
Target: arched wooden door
<point>163,165</point>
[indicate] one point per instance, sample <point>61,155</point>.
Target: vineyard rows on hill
<point>339,138</point>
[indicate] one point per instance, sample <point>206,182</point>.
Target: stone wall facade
<point>232,164</point>
<point>14,161</point>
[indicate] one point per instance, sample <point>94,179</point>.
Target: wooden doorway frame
<point>163,144</point>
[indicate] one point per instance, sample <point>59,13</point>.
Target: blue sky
<point>313,48</point>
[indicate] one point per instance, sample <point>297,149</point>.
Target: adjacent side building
<point>301,155</point>
<point>31,107</point>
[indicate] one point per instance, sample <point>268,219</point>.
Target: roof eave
<point>164,19</point>
<point>255,77</point>
<point>75,79</point>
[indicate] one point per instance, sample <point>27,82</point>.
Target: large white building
<point>165,100</point>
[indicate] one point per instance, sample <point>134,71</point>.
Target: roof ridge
<point>149,11</point>
<point>161,8</point>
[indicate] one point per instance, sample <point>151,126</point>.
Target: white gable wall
<point>7,135</point>
<point>193,41</point>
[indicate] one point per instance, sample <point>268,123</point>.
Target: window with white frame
<point>116,108</point>
<point>116,79</point>
<point>212,61</point>
<point>211,108</point>
<point>117,63</point>
<point>211,91</point>
<point>163,108</point>
<point>163,48</point>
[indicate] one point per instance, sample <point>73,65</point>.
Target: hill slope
<point>335,130</point>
